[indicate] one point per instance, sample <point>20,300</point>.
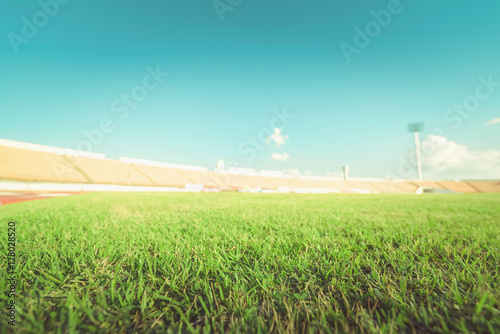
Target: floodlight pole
<point>417,153</point>
<point>415,128</point>
<point>345,173</point>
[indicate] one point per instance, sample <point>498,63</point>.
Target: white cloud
<point>280,157</point>
<point>307,173</point>
<point>277,138</point>
<point>494,121</point>
<point>450,159</point>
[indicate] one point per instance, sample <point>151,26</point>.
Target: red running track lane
<point>11,198</point>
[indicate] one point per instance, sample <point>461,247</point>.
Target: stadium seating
<point>341,185</point>
<point>37,163</point>
<point>258,182</point>
<point>106,171</point>
<point>485,186</point>
<point>303,183</point>
<point>281,182</point>
<point>363,186</point>
<point>386,187</point>
<point>321,184</point>
<point>429,184</point>
<point>200,177</point>
<point>406,187</point>
<point>19,164</point>
<point>459,187</point>
<point>162,176</point>
<point>231,180</point>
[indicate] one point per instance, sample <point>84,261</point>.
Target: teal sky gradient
<point>226,78</point>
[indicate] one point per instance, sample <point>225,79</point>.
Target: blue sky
<point>227,77</point>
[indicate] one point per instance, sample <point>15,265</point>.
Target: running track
<point>16,197</point>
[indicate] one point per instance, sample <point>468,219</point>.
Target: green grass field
<point>237,262</point>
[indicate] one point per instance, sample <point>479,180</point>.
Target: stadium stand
<point>281,182</point>
<point>258,181</point>
<point>31,164</point>
<point>106,171</point>
<point>385,187</point>
<point>406,187</point>
<point>18,164</point>
<point>321,184</point>
<point>162,176</point>
<point>458,186</point>
<point>363,185</point>
<point>301,183</point>
<point>199,177</point>
<point>232,180</point>
<point>341,185</point>
<point>485,186</point>
<point>429,184</point>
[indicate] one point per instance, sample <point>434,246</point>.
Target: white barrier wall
<point>80,187</point>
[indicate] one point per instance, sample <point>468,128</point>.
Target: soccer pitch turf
<point>239,262</point>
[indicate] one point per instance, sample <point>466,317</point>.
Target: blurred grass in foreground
<point>237,262</point>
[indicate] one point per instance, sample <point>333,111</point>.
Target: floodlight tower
<point>416,128</point>
<point>345,173</point>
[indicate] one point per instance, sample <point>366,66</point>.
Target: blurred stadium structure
<point>35,168</point>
